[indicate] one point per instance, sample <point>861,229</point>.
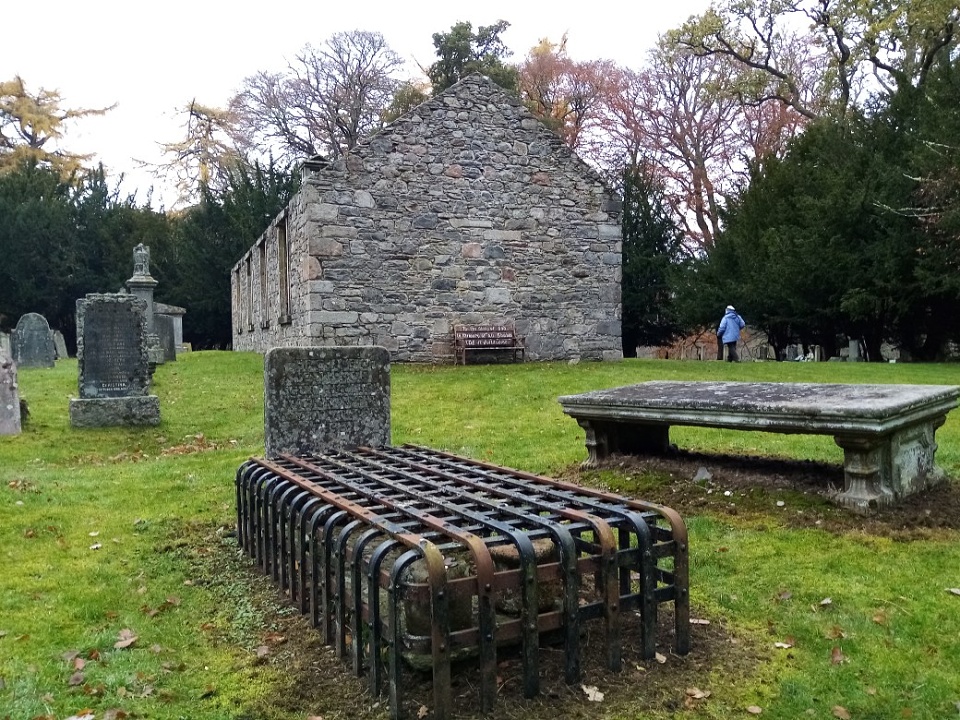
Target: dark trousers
<point>719,347</point>
<point>732,351</point>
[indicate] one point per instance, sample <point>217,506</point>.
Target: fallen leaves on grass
<point>171,601</point>
<point>694,693</point>
<point>784,644</point>
<point>836,656</point>
<point>826,602</point>
<point>841,712</point>
<point>953,591</point>
<point>125,639</point>
<point>193,444</point>
<point>754,709</point>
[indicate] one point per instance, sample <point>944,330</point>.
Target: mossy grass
<point>113,530</point>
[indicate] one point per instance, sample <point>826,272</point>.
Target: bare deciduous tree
<point>567,95</point>
<point>203,157</point>
<point>325,101</point>
<point>859,46</point>
<point>686,118</point>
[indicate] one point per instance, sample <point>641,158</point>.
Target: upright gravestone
<point>168,343</point>
<point>33,343</point>
<point>114,372</point>
<point>175,313</point>
<point>326,399</point>
<point>60,344</point>
<point>5,349</point>
<point>9,397</point>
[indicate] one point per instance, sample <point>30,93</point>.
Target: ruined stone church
<point>466,210</point>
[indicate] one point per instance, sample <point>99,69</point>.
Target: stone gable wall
<point>465,210</point>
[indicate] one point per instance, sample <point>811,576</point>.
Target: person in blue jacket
<point>729,332</point>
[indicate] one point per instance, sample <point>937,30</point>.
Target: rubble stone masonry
<point>466,210</point>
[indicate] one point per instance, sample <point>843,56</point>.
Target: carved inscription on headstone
<point>33,342</point>
<point>111,348</point>
<point>326,399</point>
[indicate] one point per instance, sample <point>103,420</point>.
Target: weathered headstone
<point>60,345</point>
<point>32,343</point>
<point>114,372</point>
<point>176,315</point>
<point>5,349</point>
<point>853,351</point>
<point>9,397</point>
<point>326,399</point>
<point>168,343</point>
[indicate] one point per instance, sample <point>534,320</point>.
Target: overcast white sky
<point>153,58</point>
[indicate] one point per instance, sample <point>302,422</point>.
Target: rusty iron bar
<point>479,552</point>
<point>330,528</point>
<point>669,530</point>
<point>259,528</point>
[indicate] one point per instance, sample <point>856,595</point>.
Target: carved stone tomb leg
<point>912,453</point>
<point>596,442</point>
<point>866,472</point>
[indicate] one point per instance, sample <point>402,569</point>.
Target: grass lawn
<point>122,593</point>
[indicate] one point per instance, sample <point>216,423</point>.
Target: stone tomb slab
<point>887,432</point>
<point>32,343</point>
<point>326,399</point>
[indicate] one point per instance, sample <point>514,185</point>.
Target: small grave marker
<point>33,343</point>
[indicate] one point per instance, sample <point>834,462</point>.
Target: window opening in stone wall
<point>264,317</point>
<point>248,295</point>
<point>283,270</point>
<point>235,300</point>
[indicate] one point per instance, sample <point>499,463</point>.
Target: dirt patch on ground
<point>321,685</point>
<point>693,483</point>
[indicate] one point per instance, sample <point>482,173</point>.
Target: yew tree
<point>653,262</point>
